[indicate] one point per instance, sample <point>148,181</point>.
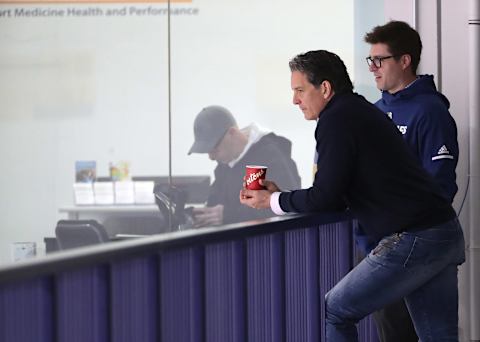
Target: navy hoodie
<point>421,114</point>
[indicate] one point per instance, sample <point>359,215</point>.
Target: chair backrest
<point>77,233</point>
<point>147,224</point>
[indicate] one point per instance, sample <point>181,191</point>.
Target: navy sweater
<point>364,164</point>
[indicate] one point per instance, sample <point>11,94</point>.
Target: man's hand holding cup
<point>256,190</point>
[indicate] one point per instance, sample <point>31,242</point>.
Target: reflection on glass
<point>217,134</point>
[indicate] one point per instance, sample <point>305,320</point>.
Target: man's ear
<point>327,90</point>
<point>232,130</point>
<point>406,61</point>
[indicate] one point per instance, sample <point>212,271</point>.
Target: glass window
<point>93,83</point>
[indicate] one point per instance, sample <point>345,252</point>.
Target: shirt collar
<point>254,133</point>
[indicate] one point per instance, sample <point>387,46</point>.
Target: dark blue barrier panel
<point>182,293</point>
<point>266,288</point>
<point>302,307</point>
<point>264,282</point>
<point>225,292</point>
<point>26,311</point>
<point>135,300</point>
<point>82,305</point>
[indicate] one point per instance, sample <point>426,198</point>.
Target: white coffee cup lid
<point>257,167</point>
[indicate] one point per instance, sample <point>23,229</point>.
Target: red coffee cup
<point>253,174</point>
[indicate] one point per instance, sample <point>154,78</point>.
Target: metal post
<point>169,85</point>
<point>439,46</point>
<point>414,14</point>
<point>474,114</point>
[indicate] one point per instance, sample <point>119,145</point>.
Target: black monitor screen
<point>195,187</point>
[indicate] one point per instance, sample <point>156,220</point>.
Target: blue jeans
<point>419,266</point>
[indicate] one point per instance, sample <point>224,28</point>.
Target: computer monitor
<point>195,187</point>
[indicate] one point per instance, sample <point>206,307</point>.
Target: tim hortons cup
<point>253,174</point>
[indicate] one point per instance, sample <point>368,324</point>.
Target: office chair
<point>77,233</point>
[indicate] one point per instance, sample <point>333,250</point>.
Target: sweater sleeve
<point>336,155</point>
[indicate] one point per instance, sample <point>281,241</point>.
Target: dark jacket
<point>364,164</point>
<point>271,150</point>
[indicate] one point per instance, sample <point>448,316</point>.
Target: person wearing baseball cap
<point>217,134</point>
<point>209,127</point>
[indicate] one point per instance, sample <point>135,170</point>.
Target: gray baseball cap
<point>209,127</point>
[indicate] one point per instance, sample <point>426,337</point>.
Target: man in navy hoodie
<point>365,165</point>
<point>421,114</point>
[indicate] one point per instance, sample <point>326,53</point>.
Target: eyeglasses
<point>377,61</point>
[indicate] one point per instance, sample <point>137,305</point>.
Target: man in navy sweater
<point>421,114</point>
<point>365,165</point>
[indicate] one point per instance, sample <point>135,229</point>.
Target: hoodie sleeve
<point>438,146</point>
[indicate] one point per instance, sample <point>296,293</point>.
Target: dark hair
<point>323,65</point>
<point>400,38</point>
